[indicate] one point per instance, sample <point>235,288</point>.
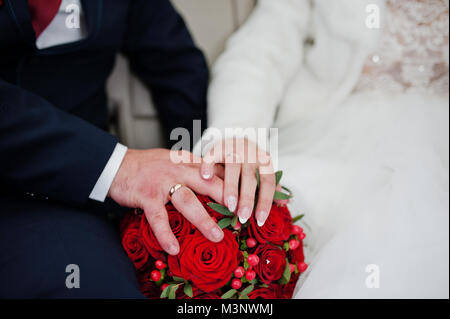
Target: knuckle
<point>158,217</point>
<point>184,195</point>
<point>249,172</point>
<point>268,179</point>
<point>247,199</point>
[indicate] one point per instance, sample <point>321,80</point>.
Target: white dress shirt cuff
<point>103,184</point>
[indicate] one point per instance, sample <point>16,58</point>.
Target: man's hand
<point>144,181</point>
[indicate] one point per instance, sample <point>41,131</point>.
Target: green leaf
<point>220,209</point>
<point>244,297</point>
<point>264,286</point>
<point>297,218</point>
<point>287,190</point>
<point>172,291</point>
<point>286,274</point>
<point>188,290</point>
<point>258,178</point>
<point>179,279</point>
<point>278,176</point>
<point>234,221</point>
<point>165,293</point>
<point>243,245</point>
<point>224,223</point>
<point>296,269</point>
<point>246,265</point>
<point>230,293</point>
<point>163,276</point>
<point>286,246</point>
<point>247,290</point>
<point>281,196</point>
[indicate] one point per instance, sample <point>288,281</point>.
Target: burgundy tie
<point>42,13</point>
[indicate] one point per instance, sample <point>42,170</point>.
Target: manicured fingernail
<point>217,233</point>
<point>173,250</point>
<point>244,215</point>
<point>232,203</point>
<point>206,175</point>
<point>261,218</point>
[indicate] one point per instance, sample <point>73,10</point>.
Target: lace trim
<point>414,49</point>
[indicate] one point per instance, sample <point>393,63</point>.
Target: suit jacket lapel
<point>93,10</point>
<point>20,15</point>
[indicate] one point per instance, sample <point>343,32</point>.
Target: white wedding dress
<point>371,174</point>
<point>363,121</point>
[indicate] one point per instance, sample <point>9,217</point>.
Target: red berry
<point>251,242</point>
<point>302,236</point>
<point>238,226</point>
<point>302,267</point>
<point>292,267</point>
<point>159,264</point>
<point>236,283</point>
<point>250,275</point>
<point>252,260</point>
<point>155,275</point>
<point>296,230</point>
<point>164,286</point>
<point>239,272</point>
<point>169,273</point>
<point>293,244</point>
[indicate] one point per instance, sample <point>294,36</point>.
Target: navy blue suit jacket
<point>53,106</point>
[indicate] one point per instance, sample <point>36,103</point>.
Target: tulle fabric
<point>372,177</point>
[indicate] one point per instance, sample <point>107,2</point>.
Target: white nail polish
<point>244,215</point>
<point>261,218</point>
<point>242,220</point>
<point>206,175</point>
<point>231,203</point>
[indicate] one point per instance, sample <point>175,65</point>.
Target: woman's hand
<point>241,159</point>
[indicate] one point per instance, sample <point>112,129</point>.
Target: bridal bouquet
<point>251,262</point>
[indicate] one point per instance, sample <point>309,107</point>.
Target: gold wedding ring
<point>173,189</point>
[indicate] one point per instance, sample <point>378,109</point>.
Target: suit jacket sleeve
<point>46,151</point>
<point>163,55</point>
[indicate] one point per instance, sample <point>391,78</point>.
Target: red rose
<point>198,294</point>
<point>134,248</point>
<point>206,264</point>
<point>272,262</point>
<point>148,287</point>
<point>130,220</point>
<point>271,292</point>
<point>277,228</point>
<point>208,296</point>
<point>287,290</point>
<point>181,227</point>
